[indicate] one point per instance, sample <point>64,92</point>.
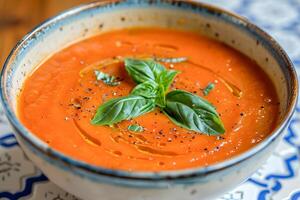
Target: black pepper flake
<point>86,98</point>
<point>220,138</point>
<point>75,105</point>
<point>88,89</point>
<point>242,114</point>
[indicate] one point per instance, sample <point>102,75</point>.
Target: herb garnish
<point>171,60</point>
<point>123,108</point>
<point>135,128</point>
<point>183,108</point>
<point>106,78</point>
<point>208,89</point>
<point>192,112</point>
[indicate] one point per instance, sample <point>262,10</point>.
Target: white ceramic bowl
<point>93,182</point>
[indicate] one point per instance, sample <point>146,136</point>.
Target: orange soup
<point>62,95</point>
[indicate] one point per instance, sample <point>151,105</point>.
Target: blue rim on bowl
<point>236,20</point>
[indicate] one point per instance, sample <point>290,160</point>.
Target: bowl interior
<point>97,18</point>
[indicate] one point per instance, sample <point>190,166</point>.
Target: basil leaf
<point>106,78</point>
<point>160,99</point>
<point>183,108</point>
<point>135,128</point>
<point>143,70</point>
<point>151,90</point>
<point>166,78</point>
<point>147,89</point>
<point>192,112</point>
<point>208,89</point>
<point>123,108</point>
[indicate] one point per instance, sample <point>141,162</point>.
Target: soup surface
<point>61,96</point>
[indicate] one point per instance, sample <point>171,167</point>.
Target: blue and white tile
<point>49,191</point>
<point>273,13</point>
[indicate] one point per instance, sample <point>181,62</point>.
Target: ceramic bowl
<point>93,182</point>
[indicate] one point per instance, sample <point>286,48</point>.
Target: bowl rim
<point>66,160</point>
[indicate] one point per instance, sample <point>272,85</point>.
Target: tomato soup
<point>61,96</point>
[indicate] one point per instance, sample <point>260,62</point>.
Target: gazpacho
<point>149,99</point>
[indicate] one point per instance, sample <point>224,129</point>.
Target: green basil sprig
<point>143,70</point>
<point>135,128</point>
<point>107,79</point>
<point>208,89</point>
<point>148,73</point>
<point>122,108</point>
<point>147,89</point>
<point>183,108</point>
<point>192,112</point>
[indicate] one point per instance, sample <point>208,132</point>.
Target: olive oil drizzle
<point>119,60</point>
<point>142,148</point>
<point>90,139</point>
<point>230,86</point>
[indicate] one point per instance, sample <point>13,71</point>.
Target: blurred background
<point>17,17</point>
<point>280,18</point>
